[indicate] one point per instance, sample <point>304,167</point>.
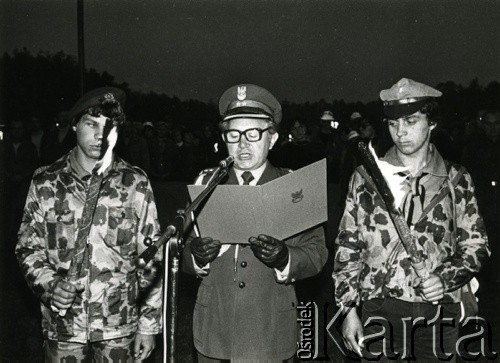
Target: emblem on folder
<point>297,196</point>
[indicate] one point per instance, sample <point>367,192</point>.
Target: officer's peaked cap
<point>249,101</point>
<point>406,97</point>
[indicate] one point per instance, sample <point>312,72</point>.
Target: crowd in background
<point>169,152</point>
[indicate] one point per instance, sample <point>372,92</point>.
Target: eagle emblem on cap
<point>242,92</point>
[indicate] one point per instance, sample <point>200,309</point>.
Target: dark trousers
<point>396,329</point>
<point>205,359</point>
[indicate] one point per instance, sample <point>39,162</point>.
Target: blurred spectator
<point>299,151</point>
<point>132,146</point>
<point>481,157</point>
<point>329,137</point>
<point>212,147</point>
<point>354,122</point>
<point>149,134</point>
<point>162,153</point>
<point>359,128</point>
<point>445,143</point>
<point>59,140</point>
<point>189,157</point>
<point>22,156</point>
<point>38,137</point>
<point>21,160</point>
<point>149,131</point>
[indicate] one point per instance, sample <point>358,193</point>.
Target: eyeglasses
<point>252,135</point>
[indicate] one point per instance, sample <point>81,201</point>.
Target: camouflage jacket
<point>370,262</point>
<point>124,216</point>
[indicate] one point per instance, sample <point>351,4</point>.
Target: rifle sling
<point>81,249</point>
<point>437,198</point>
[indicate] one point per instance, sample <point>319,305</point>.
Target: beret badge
<point>109,97</point>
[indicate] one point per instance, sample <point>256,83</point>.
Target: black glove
<point>204,250</point>
<point>271,251</point>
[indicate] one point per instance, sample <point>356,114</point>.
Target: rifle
<point>408,240</point>
<point>110,136</point>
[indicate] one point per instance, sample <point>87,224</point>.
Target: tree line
<point>41,85</point>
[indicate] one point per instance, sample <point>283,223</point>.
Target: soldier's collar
<point>78,168</point>
<point>435,165</point>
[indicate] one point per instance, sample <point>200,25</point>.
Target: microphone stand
<point>173,236</point>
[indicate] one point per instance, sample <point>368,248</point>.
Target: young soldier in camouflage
<point>372,268</point>
<point>107,316</point>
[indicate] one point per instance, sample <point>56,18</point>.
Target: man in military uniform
<point>97,314</point>
<point>372,268</point>
<point>246,305</point>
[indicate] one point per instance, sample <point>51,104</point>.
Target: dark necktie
<point>417,191</point>
<point>247,177</point>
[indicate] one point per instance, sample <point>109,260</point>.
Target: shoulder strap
<point>449,188</point>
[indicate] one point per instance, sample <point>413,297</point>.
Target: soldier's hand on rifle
<point>352,331</point>
<point>432,289</point>
<point>64,294</point>
<point>204,250</point>
<point>271,251</point>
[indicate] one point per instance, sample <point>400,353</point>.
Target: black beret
<point>95,98</point>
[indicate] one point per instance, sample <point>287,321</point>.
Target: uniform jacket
<point>367,239</point>
<point>242,311</point>
<point>125,214</point>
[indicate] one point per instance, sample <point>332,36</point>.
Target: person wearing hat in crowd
<point>372,270</point>
<point>60,139</point>
<point>327,134</point>
<point>246,304</point>
<point>300,150</point>
<point>92,204</point>
<point>359,128</point>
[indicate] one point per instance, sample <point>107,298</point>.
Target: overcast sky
<point>300,50</point>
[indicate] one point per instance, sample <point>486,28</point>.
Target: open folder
<point>280,208</point>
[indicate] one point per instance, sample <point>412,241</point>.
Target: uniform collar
<point>68,165</point>
<point>434,166</point>
<point>257,173</point>
<point>76,167</point>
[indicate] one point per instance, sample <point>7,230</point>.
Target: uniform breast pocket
<point>117,307</point>
<point>60,231</point>
<point>122,230</point>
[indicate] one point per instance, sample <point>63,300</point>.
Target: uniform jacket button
<point>241,284</point>
<point>243,264</point>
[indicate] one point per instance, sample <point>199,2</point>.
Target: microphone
<point>153,246</point>
<point>227,162</point>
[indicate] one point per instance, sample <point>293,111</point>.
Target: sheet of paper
<point>280,208</point>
